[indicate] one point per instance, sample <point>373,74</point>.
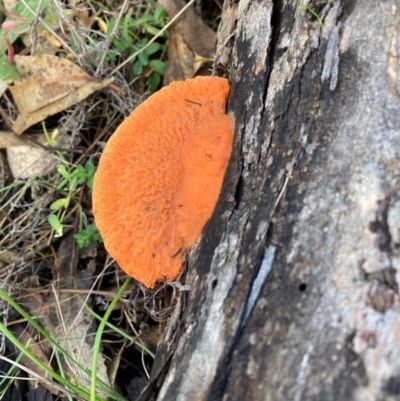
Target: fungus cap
<point>160,176</point>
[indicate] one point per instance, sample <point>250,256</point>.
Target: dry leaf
<point>189,25</point>
<point>25,337</point>
<point>47,43</point>
<point>26,159</point>
<point>180,66</point>
<point>29,161</point>
<point>8,257</point>
<point>83,16</point>
<point>8,139</point>
<point>187,50</point>
<point>73,326</point>
<point>202,63</point>
<point>3,86</point>
<point>63,314</point>
<point>48,85</point>
<point>113,366</point>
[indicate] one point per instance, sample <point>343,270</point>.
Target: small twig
<point>34,26</point>
<point>144,366</point>
<point>116,88</point>
<point>281,193</point>
<point>110,37</point>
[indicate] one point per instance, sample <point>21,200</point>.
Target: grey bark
<point>294,284</point>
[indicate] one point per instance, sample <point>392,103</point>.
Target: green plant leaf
<point>153,81</point>
<point>159,14</point>
<point>90,170</point>
<point>55,224</point>
<point>7,70</point>
<point>143,20</point>
<point>152,30</point>
<point>312,12</point>
<point>143,58</point>
<point>158,66</point>
<point>63,171</point>
<point>24,11</point>
<point>5,383</point>
<point>121,46</point>
<point>110,26</point>
<point>128,20</point>
<point>86,236</point>
<point>62,184</point>
<point>97,340</point>
<point>152,48</point>
<point>114,395</point>
<point>80,173</point>
<point>137,68</point>
<point>59,203</point>
<point>73,183</point>
<point>24,349</point>
<point>126,37</point>
<point>142,42</point>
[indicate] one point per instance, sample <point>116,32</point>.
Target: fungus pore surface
<point>160,176</point>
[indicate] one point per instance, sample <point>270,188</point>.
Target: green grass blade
<point>97,341</point>
<point>110,392</point>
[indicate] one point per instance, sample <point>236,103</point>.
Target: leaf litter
<point>48,85</point>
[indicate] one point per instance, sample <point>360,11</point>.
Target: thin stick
<point>281,193</point>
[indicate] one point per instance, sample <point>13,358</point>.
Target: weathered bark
<point>294,292</point>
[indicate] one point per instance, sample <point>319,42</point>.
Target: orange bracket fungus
<point>160,176</point>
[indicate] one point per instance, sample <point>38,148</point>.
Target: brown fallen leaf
<point>187,50</point>
<point>72,325</point>
<point>26,337</point>
<point>49,84</point>
<point>28,161</point>
<point>8,139</point>
<point>63,314</point>
<point>8,257</point>
<point>189,26</point>
<point>202,64</point>
<point>3,86</point>
<point>180,66</point>
<point>184,63</point>
<point>113,366</point>
<point>47,43</point>
<point>25,159</point>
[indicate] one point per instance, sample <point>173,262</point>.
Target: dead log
<point>294,284</point>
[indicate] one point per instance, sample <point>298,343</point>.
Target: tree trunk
<point>294,284</point>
